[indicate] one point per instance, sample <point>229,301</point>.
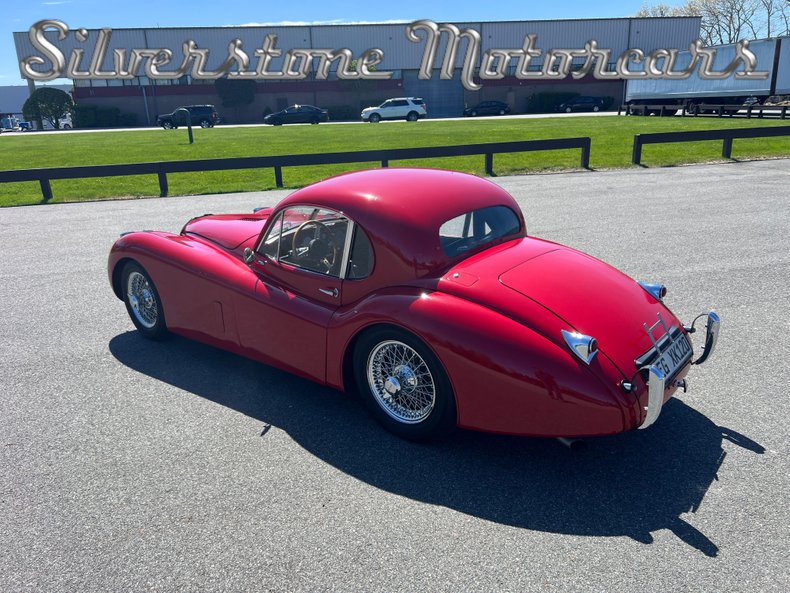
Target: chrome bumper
<point>656,379</point>
<point>711,336</point>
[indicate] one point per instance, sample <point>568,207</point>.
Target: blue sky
<point>92,14</point>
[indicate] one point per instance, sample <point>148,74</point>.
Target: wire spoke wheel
<point>401,382</point>
<point>142,299</point>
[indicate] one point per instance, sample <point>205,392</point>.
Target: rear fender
<point>506,377</point>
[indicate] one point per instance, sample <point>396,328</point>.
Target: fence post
<point>46,189</point>
<point>278,176</point>
<point>490,164</point>
<point>749,112</point>
<point>726,149</point>
<point>636,155</point>
<point>586,155</point>
<point>163,189</point>
<point>385,163</point>
<point>784,111</point>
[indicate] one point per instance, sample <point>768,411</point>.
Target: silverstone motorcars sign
<point>157,63</point>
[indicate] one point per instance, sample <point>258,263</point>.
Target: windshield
<point>476,228</point>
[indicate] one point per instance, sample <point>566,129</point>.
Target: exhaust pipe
<point>573,444</point>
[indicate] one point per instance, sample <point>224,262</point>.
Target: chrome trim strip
<point>346,248</point>
<point>656,382</point>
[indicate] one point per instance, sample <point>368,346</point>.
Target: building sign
<point>477,67</point>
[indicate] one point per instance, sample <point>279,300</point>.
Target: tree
<point>49,104</point>
<point>660,9</point>
<point>728,21</point>
<point>235,93</point>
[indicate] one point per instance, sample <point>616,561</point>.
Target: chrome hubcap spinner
<point>401,382</point>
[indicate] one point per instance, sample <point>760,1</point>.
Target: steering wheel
<point>320,250</point>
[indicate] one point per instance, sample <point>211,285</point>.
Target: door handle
<point>333,292</point>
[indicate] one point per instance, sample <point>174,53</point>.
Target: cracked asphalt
<point>127,465</point>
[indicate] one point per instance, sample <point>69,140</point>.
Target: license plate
<point>674,356</point>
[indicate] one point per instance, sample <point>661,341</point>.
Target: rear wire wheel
<point>404,385</point>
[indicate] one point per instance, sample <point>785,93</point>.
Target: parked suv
<point>487,108</point>
<point>408,108</point>
<point>204,116</point>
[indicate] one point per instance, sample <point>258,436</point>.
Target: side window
<point>476,228</point>
<point>360,264</point>
<point>271,243</point>
<point>313,239</point>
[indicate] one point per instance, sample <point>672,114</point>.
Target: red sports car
<point>421,290</point>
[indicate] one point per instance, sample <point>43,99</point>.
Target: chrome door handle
<point>333,292</point>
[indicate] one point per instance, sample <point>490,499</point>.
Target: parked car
<point>464,320</point>
<point>581,104</point>
<point>487,108</point>
<point>64,123</point>
<point>777,100</point>
<point>204,116</point>
<point>297,114</point>
<point>408,108</point>
<point>9,124</point>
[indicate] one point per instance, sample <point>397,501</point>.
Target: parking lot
<point>129,465</point>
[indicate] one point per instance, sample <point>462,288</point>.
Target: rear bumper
<point>657,381</point>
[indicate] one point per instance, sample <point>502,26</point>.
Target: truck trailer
<point>773,57</point>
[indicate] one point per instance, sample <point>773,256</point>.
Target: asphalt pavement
<point>127,465</point>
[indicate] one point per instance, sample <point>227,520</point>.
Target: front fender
<point>506,377</point>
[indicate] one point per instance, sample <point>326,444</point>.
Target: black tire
<point>143,302</point>
<point>314,121</point>
<point>374,118</point>
<point>168,125</point>
<point>412,116</point>
<point>474,114</point>
<point>568,110</point>
<point>423,406</point>
<point>66,127</point>
<point>204,123</point>
<point>596,108</point>
<point>501,112</point>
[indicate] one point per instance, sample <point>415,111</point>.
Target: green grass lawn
<point>612,139</point>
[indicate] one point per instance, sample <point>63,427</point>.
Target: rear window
<point>477,228</point>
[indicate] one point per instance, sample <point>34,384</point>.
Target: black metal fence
<point>384,156</point>
<point>726,135</point>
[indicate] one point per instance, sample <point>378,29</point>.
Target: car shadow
<point>626,485</point>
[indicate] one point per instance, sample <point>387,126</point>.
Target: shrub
<point>84,116</point>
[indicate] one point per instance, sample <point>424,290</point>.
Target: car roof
<point>401,209</point>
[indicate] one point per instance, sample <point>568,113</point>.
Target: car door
<point>402,108</point>
<point>300,264</point>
